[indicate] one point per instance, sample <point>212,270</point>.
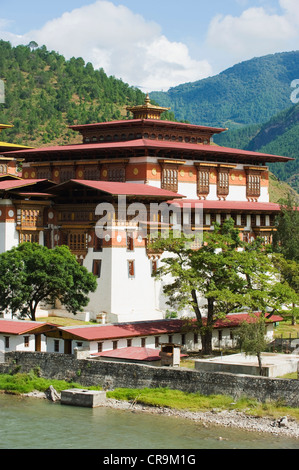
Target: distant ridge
<point>250,92</point>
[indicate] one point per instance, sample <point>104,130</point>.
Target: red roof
<point>18,327</point>
<point>227,205</point>
<point>150,328</point>
<point>12,184</point>
<point>125,330</point>
<point>161,123</point>
<point>202,149</point>
<point>132,353</point>
<point>128,189</point>
<point>235,320</point>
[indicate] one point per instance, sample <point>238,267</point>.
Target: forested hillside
<point>278,136</point>
<point>44,93</point>
<point>248,93</point>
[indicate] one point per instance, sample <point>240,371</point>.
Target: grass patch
<point>26,383</point>
<point>175,399</point>
<point>286,329</point>
<point>61,321</point>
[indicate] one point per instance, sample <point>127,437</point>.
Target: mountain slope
<point>278,136</point>
<point>248,93</point>
<point>44,93</point>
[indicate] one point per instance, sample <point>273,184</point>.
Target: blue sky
<point>155,44</point>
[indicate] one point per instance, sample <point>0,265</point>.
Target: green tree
<point>285,237</point>
<point>228,273</point>
<point>31,274</point>
<point>251,337</point>
<point>289,280</point>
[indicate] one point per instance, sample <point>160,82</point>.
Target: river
<point>32,423</point>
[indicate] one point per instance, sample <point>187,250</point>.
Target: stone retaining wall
<point>110,375</point>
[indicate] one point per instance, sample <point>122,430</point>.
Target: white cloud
<point>255,32</point>
<point>123,43</point>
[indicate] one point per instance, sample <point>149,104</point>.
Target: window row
<point>30,217</point>
<point>169,181</point>
<point>7,342</point>
<point>242,220</point>
<point>154,136</point>
<point>144,341</point>
<point>97,268</point>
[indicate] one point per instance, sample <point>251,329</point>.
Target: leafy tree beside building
<point>31,274</point>
<point>229,274</point>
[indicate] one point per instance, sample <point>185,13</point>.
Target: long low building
<point>18,335</point>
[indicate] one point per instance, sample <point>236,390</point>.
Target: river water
<point>32,423</point>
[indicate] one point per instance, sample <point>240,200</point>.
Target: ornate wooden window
<point>67,173</point>
<point>31,237</point>
<point>262,220</point>
<point>170,178</point>
<point>223,182</point>
<point>117,174</point>
<point>253,184</point>
<point>30,218</point>
<point>92,173</point>
<point>203,181</point>
<point>253,220</point>
<point>243,220</point>
<point>44,173</point>
<point>77,241</point>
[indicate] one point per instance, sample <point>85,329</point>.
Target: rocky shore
<point>284,426</point>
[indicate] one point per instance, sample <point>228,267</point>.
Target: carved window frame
<point>170,177</point>
<point>223,182</point>
<point>67,173</point>
<point>253,184</point>
<point>203,181</point>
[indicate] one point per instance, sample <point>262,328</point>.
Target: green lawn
<point>286,329</point>
<point>61,321</point>
<point>25,383</point>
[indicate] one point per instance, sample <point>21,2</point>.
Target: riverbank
<point>285,426</point>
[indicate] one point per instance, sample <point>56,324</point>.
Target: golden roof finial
<point>147,110</point>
